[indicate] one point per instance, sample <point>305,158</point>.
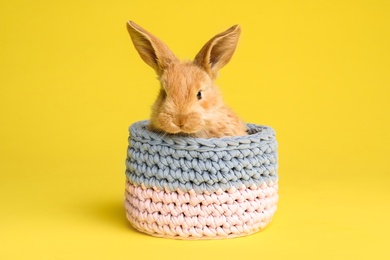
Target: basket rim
<point>257,134</point>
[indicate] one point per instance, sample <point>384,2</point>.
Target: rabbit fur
<point>189,103</point>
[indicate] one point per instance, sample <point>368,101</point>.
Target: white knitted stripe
<point>201,216</point>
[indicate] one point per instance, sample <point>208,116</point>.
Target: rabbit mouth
<point>180,124</point>
<point>186,128</point>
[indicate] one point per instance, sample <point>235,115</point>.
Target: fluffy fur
<point>188,102</point>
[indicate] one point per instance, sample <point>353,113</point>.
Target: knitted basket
<point>195,188</point>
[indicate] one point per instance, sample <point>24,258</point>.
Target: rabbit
<point>188,102</point>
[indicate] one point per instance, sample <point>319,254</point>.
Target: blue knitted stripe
<point>199,189</point>
<point>172,162</point>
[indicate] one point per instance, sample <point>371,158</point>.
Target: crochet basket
<point>195,188</point>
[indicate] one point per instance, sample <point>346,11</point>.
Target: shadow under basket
<point>195,188</point>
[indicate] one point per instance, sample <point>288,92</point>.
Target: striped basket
<point>195,188</point>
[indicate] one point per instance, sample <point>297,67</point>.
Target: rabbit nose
<point>180,120</point>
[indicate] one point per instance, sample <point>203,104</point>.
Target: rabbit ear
<point>218,51</point>
<point>151,49</point>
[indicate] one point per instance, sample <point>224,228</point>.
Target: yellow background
<point>71,83</point>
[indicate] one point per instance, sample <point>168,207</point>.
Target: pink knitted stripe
<point>201,216</point>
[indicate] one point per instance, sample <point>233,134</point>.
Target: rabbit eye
<point>199,95</point>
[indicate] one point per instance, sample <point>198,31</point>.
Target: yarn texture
<point>194,188</point>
